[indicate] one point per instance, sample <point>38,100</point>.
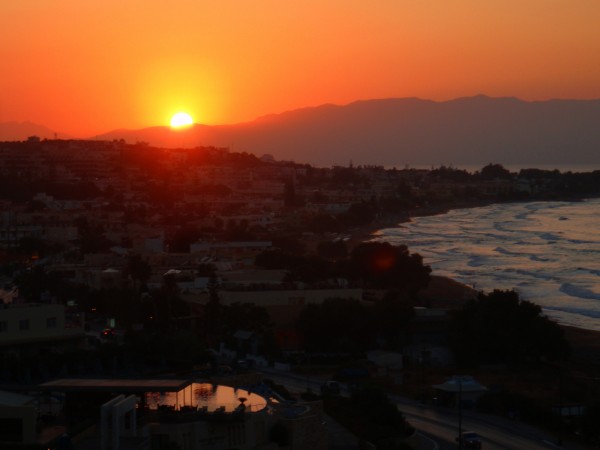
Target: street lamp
<point>460,446</point>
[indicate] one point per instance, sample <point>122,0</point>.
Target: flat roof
<point>116,384</point>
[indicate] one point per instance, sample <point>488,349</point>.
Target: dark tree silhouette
<point>500,327</point>
<point>337,325</point>
<point>392,315</point>
<point>137,270</point>
<point>213,311</point>
<point>359,214</point>
<point>385,266</point>
<point>333,250</point>
<point>493,171</point>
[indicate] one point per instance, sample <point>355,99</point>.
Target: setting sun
<point>181,119</point>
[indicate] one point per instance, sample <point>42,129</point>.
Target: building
<point>182,413</point>
<point>34,327</point>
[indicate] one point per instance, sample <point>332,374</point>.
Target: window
<point>24,324</point>
<point>51,322</point>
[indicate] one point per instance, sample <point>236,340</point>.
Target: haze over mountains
<point>465,131</point>
<point>18,131</point>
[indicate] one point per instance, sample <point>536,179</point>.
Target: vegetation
<point>341,325</point>
<point>370,415</point>
<point>500,327</point>
<point>157,190</point>
<point>381,265</point>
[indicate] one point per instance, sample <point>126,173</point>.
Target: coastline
<point>368,232</point>
<point>585,342</point>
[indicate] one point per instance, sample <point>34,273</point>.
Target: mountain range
<point>396,132</point>
<point>19,131</point>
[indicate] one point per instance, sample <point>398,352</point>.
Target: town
<point>137,281</point>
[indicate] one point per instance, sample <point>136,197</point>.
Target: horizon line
<point>303,108</point>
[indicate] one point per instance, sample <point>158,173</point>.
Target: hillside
<point>468,131</point>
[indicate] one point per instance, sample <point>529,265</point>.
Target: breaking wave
<point>547,250</point>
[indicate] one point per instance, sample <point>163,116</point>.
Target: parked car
<point>469,439</point>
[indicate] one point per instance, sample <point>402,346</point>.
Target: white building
<point>30,325</point>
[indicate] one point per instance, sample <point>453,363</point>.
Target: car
<point>469,439</point>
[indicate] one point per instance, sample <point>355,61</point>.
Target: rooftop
<point>116,385</point>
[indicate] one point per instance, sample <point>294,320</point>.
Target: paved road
<point>441,424</point>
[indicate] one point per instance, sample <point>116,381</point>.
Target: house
<point>32,327</point>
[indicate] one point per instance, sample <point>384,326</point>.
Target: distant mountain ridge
<point>399,131</point>
<point>470,130</point>
<point>19,131</point>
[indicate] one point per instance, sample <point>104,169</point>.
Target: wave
<point>539,258</point>
<point>594,313</point>
<point>550,237</point>
<point>503,251</point>
<point>518,245</point>
<point>477,261</point>
<point>581,242</point>
<point>522,216</point>
<point>537,275</point>
<point>578,292</point>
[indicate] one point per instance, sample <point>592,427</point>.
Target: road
<point>441,424</point>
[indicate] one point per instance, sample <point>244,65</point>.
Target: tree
<point>359,214</point>
<point>337,325</point>
<point>169,305</point>
<point>137,270</point>
<point>500,327</point>
<point>371,416</point>
<point>290,198</point>
<point>392,315</point>
<point>332,250</point>
<point>290,244</point>
<point>493,171</point>
<point>385,266</point>
<point>183,237</point>
<point>311,269</point>
<point>324,223</point>
<point>91,237</point>
<point>213,311</point>
<point>246,316</point>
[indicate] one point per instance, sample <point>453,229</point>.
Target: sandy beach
<point>446,293</point>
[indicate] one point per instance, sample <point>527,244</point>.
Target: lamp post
<point>460,443</point>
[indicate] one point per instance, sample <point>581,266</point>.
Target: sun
<point>181,119</point>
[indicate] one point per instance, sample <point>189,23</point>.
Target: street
<point>441,424</point>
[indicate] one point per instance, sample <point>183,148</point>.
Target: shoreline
<point>367,232</point>
<point>586,338</point>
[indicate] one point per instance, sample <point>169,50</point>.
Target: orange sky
<point>88,66</point>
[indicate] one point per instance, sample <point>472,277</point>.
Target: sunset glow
<point>236,61</point>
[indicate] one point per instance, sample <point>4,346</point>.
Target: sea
<point>549,252</point>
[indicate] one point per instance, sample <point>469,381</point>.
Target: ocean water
<point>547,251</point>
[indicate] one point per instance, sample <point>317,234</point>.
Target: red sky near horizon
<point>87,67</point>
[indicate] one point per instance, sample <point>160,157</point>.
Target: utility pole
<point>560,406</point>
<point>460,443</point>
